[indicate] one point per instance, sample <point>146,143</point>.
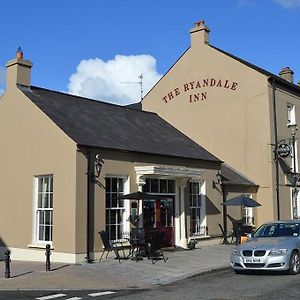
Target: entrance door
<point>159,216</point>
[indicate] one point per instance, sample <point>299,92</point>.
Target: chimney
<point>287,74</point>
<point>199,34</point>
<point>18,71</point>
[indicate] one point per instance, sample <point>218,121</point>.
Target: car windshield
<point>277,230</point>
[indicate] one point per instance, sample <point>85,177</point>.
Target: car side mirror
<point>250,235</point>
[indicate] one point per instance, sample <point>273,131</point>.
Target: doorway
<point>158,216</point>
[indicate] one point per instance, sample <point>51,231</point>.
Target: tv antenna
<point>140,82</point>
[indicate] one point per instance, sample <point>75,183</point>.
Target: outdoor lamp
<point>98,165</point>
<point>219,180</point>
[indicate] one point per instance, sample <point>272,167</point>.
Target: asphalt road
<point>227,285</point>
<point>221,285</point>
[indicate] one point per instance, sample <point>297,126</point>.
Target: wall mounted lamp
<point>98,163</point>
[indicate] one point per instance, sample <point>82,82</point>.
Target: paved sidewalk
<point>110,274</point>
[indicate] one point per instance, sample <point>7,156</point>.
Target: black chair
<point>139,246</point>
<point>237,233</point>
<point>109,246</point>
<point>156,252</point>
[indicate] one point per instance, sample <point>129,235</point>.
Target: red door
<point>159,216</point>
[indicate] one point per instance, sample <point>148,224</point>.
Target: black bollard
<point>48,253</point>
<point>7,263</point>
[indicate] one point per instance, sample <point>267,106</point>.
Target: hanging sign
<point>284,150</point>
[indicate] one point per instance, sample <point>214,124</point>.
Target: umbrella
<point>241,200</point>
<point>137,196</point>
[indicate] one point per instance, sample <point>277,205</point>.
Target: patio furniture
<point>239,229</point>
<point>139,246</point>
<point>109,246</point>
<point>156,252</point>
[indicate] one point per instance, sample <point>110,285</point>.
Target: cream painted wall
<point>232,123</point>
<point>283,98</point>
<point>31,144</point>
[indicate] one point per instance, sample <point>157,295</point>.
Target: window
<point>195,196</point>
<point>43,209</point>
<point>160,186</point>
<point>291,115</point>
<point>115,208</point>
<point>248,215</point>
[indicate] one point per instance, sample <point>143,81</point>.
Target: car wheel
<point>294,263</point>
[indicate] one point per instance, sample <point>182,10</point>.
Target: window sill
<point>39,246</point>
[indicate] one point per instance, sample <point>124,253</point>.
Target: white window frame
<point>38,210</point>
<point>202,217</point>
<point>126,208</point>
<point>291,114</point>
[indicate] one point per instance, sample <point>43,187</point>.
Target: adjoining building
<point>65,159</point>
<point>241,113</point>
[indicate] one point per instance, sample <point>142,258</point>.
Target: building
<point>65,159</point>
<point>239,112</point>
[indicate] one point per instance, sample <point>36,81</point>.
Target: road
<point>227,285</point>
<point>221,285</point>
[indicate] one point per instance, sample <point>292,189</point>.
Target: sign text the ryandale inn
<point>198,95</point>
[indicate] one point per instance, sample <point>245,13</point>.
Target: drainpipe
<point>272,81</point>
<point>224,198</point>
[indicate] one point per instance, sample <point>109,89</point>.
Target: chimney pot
<point>287,74</point>
<point>19,53</point>
<point>200,23</point>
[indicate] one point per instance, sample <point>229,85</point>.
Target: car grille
<point>259,252</point>
<point>255,253</point>
<point>247,253</point>
<point>258,265</point>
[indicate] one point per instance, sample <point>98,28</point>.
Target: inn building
<point>241,113</point>
<point>65,160</point>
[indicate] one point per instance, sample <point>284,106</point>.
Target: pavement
<point>110,274</point>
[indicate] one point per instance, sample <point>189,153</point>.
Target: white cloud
<point>288,3</point>
<point>115,80</point>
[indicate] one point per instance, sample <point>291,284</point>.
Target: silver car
<point>274,247</point>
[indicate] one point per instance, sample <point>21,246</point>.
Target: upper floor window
<point>43,220</point>
<point>291,114</point>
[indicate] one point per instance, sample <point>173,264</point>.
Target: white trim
<point>35,239</point>
<point>173,171</point>
<point>39,255</point>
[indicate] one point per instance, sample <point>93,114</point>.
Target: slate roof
<point>99,124</point>
<point>233,177</point>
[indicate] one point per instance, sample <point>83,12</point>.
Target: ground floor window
<point>114,208</point>
<point>43,220</point>
<point>248,215</point>
<point>196,209</point>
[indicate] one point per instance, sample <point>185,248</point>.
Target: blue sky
<point>92,47</point>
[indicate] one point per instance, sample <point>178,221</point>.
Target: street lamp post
<point>295,191</point>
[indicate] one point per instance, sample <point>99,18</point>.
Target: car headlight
<point>275,252</point>
<point>236,252</point>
